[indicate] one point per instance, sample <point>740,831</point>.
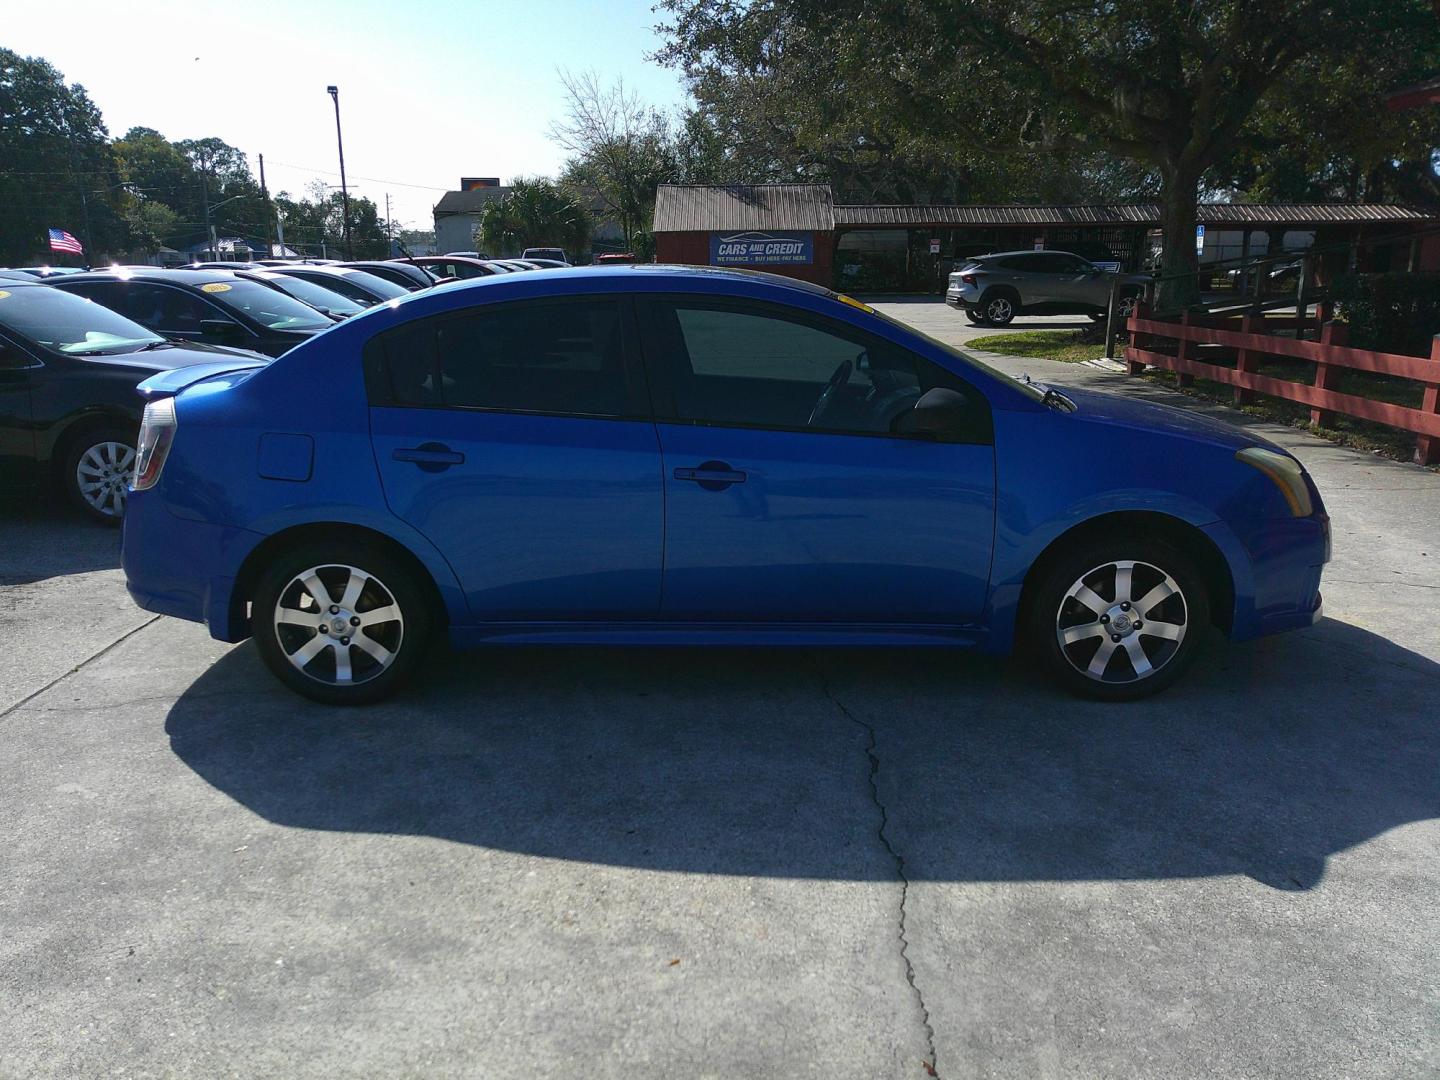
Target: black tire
<point>392,583</point>
<point>96,470</point>
<point>1098,316</point>
<point>1051,611</point>
<point>974,316</point>
<point>999,308</point>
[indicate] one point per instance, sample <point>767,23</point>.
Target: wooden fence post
<point>1247,359</point>
<point>1427,447</point>
<point>1141,310</point>
<point>1182,351</point>
<point>1327,375</point>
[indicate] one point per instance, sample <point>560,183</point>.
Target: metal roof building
<point>797,229</point>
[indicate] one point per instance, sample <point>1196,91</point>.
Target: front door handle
<point>430,456</point>
<point>712,475</point>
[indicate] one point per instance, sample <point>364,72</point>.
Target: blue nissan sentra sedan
<point>675,455</point>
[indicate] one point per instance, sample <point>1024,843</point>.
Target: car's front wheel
<point>342,623</point>
<point>97,470</point>
<point>1119,620</point>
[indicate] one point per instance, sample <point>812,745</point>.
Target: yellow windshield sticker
<point>3,294</point>
<point>215,286</point>
<point>855,303</point>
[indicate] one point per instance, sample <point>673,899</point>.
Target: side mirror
<point>938,412</point>
<point>221,329</point>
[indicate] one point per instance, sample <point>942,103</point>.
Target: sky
<point>429,91</point>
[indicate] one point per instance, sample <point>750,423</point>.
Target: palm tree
<point>535,213</point>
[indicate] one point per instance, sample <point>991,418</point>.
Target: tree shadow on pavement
<point>1266,760</point>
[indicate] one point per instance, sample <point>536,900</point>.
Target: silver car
<point>993,289</point>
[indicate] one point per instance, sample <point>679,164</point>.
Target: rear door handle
<point>431,457</point>
<point>712,475</point>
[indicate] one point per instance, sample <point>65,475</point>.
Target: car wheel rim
<point>1121,622</point>
<point>999,310</point>
<point>101,475</point>
<point>339,625</point>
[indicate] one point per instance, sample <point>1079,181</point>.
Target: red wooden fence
<point>1329,354</point>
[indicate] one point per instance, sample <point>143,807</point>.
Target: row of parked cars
<point>74,344</point>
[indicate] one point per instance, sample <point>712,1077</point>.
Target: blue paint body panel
<point>576,530</point>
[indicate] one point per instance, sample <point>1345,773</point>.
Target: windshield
<point>381,287</point>
<point>317,296</point>
<point>269,307</point>
<point>66,323</point>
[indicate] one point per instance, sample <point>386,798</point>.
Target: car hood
<point>170,356</point>
<point>1120,410</point>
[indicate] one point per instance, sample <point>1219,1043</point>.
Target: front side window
<point>760,367</point>
<point>562,358</point>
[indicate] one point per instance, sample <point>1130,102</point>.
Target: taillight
<point>157,432</point>
<point>968,279</point>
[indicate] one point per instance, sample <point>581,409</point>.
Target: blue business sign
<point>761,248</point>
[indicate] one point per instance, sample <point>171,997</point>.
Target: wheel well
<point>250,569</point>
<point>1000,290</point>
<point>1208,559</point>
<point>79,427</point>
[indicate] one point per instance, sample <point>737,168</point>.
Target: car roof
<point>189,278</point>
<point>1026,251</point>
<point>628,273</point>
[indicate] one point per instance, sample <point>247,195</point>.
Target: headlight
<point>1286,474</point>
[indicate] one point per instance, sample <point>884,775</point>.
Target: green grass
<point>1066,346</point>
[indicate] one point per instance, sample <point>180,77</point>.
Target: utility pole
<point>265,197</point>
<point>205,202</point>
<point>334,92</point>
<point>389,231</point>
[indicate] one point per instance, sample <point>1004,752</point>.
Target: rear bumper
<point>180,567</point>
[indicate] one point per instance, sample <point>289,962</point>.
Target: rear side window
<point>561,358</point>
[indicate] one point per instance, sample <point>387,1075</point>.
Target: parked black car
<point>408,274</point>
<point>215,307</point>
<point>359,285</point>
<point>69,413</point>
<point>322,298</point>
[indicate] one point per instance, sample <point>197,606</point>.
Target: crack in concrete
<point>89,659</point>
<point>872,754</point>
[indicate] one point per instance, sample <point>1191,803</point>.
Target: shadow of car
<point>748,762</point>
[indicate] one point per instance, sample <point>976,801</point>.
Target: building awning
<point>1146,215</point>
<point>790,207</point>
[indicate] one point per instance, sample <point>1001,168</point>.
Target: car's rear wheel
<point>1118,619</point>
<point>97,469</point>
<point>974,316</point>
<point>998,309</point>
<point>342,623</point>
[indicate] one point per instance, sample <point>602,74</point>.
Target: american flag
<point>60,240</point>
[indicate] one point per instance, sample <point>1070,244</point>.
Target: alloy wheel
<point>101,475</point>
<point>338,625</point>
<point>999,310</point>
<point>1121,622</point>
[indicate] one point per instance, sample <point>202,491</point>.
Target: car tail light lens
<point>1287,475</point>
<point>968,279</point>
<point>157,432</point>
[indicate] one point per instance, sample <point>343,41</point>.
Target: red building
<point>783,228</point>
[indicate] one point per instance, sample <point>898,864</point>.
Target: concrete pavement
<point>728,862</point>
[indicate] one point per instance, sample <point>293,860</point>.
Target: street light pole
<point>334,92</point>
